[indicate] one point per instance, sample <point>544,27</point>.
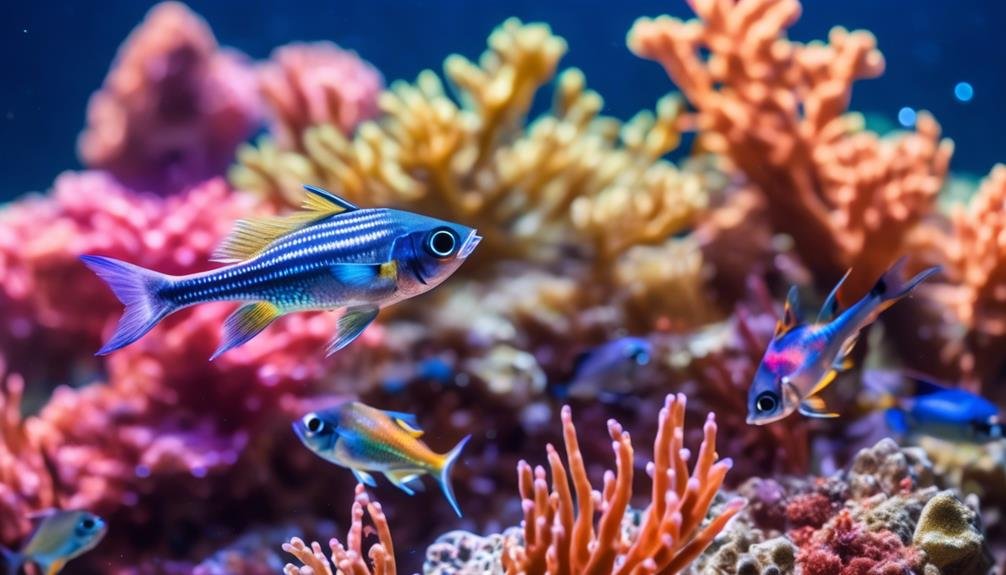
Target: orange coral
<point>348,559</point>
<point>776,109</point>
<point>560,536</point>
<point>977,257</point>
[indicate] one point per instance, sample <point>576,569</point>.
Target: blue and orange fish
<point>804,358</point>
<point>330,255</point>
<point>930,409</point>
<point>59,537</point>
<point>363,438</point>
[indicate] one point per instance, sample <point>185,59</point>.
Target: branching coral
<point>308,84</point>
<point>348,559</point>
<point>174,106</point>
<point>775,108</point>
<point>568,176</point>
<point>561,537</point>
<point>977,255</point>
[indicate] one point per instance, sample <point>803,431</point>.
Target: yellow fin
<point>407,428</point>
<point>815,407</point>
<point>55,567</point>
<point>251,236</point>
<point>822,383</point>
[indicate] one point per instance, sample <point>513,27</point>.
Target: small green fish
<point>60,537</point>
<point>362,438</point>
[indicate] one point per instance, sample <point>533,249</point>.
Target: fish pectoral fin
<point>364,477</point>
<point>251,236</point>
<point>403,478</point>
<point>824,382</point>
<point>815,407</point>
<point>53,567</point>
<point>356,275</point>
<point>244,324</point>
<point>407,422</point>
<point>351,325</point>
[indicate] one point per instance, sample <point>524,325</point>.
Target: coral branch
<point>174,106</point>
<point>775,108</point>
<point>348,559</point>
<point>672,534</point>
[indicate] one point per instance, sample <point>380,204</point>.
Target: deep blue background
<point>55,54</point>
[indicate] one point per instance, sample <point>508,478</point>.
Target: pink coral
<point>49,302</point>
<point>319,83</point>
<point>846,547</point>
<point>174,106</point>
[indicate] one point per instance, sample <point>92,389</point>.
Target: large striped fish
<point>330,255</point>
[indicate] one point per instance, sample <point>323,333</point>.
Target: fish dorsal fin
<point>790,313</point>
<point>921,385</point>
<point>407,422</point>
<point>251,236</point>
<point>829,310</point>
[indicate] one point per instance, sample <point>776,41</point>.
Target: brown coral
<point>561,537</point>
<point>776,109</point>
<point>348,559</point>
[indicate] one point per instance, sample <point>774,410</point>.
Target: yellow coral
<point>571,177</point>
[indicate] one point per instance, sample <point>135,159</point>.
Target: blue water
<point>55,54</point>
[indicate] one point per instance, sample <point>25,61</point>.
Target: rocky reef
<point>591,234</point>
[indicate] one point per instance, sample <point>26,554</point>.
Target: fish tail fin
<point>450,458</point>
<point>890,287</point>
<point>137,289</point>
<point>12,560</point>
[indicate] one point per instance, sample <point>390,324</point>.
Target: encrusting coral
<point>776,110</point>
<point>174,106</point>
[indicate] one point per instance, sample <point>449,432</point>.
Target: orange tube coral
<point>775,108</point>
<point>560,537</point>
<point>348,559</point>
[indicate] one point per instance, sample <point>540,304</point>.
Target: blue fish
<point>804,358</point>
<point>607,369</point>
<point>330,255</point>
<point>944,413</point>
<point>366,439</point>
<point>59,537</point>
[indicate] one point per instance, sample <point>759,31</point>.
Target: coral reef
<point>949,533</point>
<point>174,106</point>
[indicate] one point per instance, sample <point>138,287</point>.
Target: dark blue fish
<point>608,369</point>
<point>945,413</point>
<point>329,255</point>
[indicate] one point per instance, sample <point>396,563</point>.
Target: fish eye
<point>766,402</point>
<point>442,242</point>
<point>641,357</point>
<point>313,423</point>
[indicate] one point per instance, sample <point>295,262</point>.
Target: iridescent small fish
<point>944,413</point>
<point>329,255</point>
<point>608,368</point>
<point>362,438</point>
<point>59,537</point>
<point>802,359</point>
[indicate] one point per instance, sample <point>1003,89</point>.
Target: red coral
<point>809,509</point>
<point>846,547</point>
<point>51,306</point>
<point>174,106</point>
<point>320,83</point>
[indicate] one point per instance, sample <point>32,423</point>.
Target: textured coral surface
<point>595,229</point>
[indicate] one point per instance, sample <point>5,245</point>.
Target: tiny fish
<point>59,537</point>
<point>608,368</point>
<point>362,438</point>
<point>944,413</point>
<point>804,358</point>
<point>330,255</point>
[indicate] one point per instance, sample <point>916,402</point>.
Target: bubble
<point>964,91</point>
<point>906,117</point>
